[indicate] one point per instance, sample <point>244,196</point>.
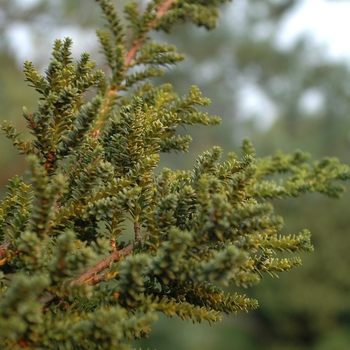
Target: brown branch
<point>164,7</point>
<point>97,279</point>
<point>91,276</point>
<point>6,253</point>
<point>137,232</point>
<point>4,248</point>
<point>161,11</point>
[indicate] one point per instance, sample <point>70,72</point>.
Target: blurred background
<point>277,71</point>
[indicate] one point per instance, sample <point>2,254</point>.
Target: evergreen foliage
<point>68,280</point>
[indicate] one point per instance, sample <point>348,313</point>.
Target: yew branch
<point>130,56</point>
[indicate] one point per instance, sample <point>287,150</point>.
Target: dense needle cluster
<point>69,280</point>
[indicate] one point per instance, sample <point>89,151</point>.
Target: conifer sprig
<point>70,278</point>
